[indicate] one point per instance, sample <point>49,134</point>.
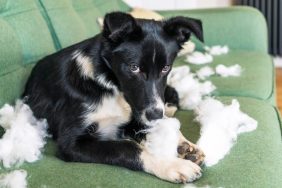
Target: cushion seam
<point>13,70</point>
<point>46,17</point>
<point>273,77</point>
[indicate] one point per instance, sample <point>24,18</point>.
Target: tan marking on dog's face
<point>110,114</point>
<point>170,110</point>
<point>84,64</point>
<point>174,169</point>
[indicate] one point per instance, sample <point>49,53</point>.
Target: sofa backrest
<point>32,29</point>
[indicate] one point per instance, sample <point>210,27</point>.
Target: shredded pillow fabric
<point>14,179</point>
<point>220,126</point>
<point>24,136</point>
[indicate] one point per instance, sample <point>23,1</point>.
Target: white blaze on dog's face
<point>140,53</point>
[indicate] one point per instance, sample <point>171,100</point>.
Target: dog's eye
<point>134,68</point>
<point>166,69</point>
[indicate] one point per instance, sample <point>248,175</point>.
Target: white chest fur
<point>110,114</point>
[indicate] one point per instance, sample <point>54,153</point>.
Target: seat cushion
<point>256,80</point>
<point>254,161</point>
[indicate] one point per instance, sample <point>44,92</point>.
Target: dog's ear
<point>181,28</point>
<point>119,26</point>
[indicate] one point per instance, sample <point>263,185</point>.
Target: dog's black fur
<point>131,58</point>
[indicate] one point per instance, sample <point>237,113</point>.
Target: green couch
<point>32,29</point>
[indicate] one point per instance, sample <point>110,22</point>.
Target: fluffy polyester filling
<point>24,136</point>
<point>14,179</point>
<point>234,70</point>
<point>220,126</point>
<point>190,90</point>
<point>162,137</point>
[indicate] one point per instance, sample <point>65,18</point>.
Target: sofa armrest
<point>238,27</point>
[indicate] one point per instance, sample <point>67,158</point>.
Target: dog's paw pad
<point>190,152</point>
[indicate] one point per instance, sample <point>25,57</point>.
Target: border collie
<point>98,94</point>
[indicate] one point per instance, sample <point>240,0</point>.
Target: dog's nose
<point>154,113</point>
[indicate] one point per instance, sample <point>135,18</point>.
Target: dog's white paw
<point>175,170</point>
<point>181,171</point>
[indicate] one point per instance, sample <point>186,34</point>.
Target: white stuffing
<point>199,58</point>
<point>205,72</point>
<point>234,70</point>
<point>14,179</point>
<point>24,136</point>
<point>220,126</point>
<point>162,137</point>
<point>187,47</point>
<point>190,90</point>
<point>217,50</point>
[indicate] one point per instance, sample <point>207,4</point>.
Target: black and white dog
<point>97,94</point>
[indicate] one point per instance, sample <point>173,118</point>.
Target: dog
<point>98,94</point>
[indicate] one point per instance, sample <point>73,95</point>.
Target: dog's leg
<point>125,153</point>
<point>188,150</point>
<point>173,169</point>
<point>171,101</point>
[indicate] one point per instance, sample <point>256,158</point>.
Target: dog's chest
<point>110,114</point>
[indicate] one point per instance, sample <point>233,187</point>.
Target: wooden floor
<point>279,88</point>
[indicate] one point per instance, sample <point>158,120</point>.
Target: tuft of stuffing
<point>199,58</point>
<point>14,179</point>
<point>217,50</point>
<point>234,70</point>
<point>186,48</point>
<point>220,126</point>
<point>190,90</point>
<point>155,143</point>
<point>24,136</point>
<point>205,72</point>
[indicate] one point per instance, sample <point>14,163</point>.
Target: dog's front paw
<point>182,171</point>
<point>189,151</point>
<point>171,169</point>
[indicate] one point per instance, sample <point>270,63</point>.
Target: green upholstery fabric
<point>78,18</point>
<point>25,38</point>
<point>254,161</point>
<point>256,80</point>
<point>26,29</point>
<point>238,27</point>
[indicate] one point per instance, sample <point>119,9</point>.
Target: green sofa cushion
<point>238,27</point>
<point>74,21</point>
<point>26,30</point>
<point>254,161</point>
<point>255,81</point>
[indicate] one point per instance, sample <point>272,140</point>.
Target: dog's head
<point>140,53</point>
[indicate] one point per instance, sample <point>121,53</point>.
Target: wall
<point>178,4</point>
